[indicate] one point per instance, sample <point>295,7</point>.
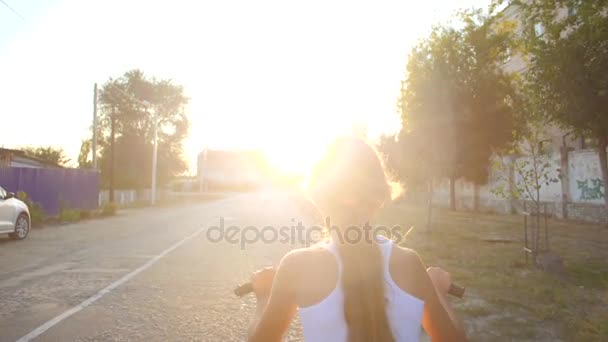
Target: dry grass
<point>507,300</point>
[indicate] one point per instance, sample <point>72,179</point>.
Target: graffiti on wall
<point>591,189</point>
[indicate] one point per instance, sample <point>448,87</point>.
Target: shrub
<point>69,215</point>
<point>109,209</point>
<point>86,214</point>
<point>37,214</point>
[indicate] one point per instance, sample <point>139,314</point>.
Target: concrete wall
<point>121,197</point>
<point>585,184</point>
<point>585,191</point>
<point>553,191</point>
<point>126,197</point>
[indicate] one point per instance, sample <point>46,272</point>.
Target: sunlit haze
<point>283,76</point>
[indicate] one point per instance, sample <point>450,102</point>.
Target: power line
<point>9,7</point>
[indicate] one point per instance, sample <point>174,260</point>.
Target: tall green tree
<point>127,106</point>
<point>455,102</point>
<point>567,45</point>
<point>409,157</point>
<point>50,154</point>
<point>83,156</point>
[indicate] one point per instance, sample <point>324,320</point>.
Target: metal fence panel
<point>54,188</point>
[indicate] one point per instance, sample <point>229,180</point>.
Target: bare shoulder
<point>313,273</point>
<point>407,257</point>
<point>300,257</point>
<point>289,267</point>
<point>408,271</point>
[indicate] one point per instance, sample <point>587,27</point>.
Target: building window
<point>539,29</point>
<point>589,142</point>
<point>507,56</point>
<point>545,147</point>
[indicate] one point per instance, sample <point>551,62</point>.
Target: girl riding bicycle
<point>353,289</point>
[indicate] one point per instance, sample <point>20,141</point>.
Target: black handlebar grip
<point>241,290</point>
<point>456,291</point>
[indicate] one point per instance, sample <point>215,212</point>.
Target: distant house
<point>18,158</point>
<point>219,170</point>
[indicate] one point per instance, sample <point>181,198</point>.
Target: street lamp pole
<point>94,142</point>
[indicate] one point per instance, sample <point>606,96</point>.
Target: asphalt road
<point>145,275</point>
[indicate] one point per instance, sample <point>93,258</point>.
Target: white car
<point>14,216</point>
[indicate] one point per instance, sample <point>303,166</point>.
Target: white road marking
<point>54,321</point>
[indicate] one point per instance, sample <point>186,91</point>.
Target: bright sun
<point>295,159</point>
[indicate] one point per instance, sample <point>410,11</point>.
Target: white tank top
<point>324,321</point>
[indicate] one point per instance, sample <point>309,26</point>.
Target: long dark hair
<point>350,181</point>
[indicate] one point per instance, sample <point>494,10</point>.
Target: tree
<point>83,155</point>
<point>455,99</point>
<point>126,125</point>
<point>567,45</point>
<point>411,163</point>
<point>531,167</point>
<point>49,154</point>
<point>527,169</point>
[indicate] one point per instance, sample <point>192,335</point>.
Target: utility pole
<point>112,120</point>
<point>154,153</point>
<point>94,144</point>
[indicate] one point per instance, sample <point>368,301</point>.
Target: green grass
<point>69,215</point>
<point>506,299</point>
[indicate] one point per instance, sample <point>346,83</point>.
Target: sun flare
<point>295,158</point>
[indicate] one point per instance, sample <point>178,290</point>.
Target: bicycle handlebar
<point>244,289</point>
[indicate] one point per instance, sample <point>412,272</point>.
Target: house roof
<point>23,154</point>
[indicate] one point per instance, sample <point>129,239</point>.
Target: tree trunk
<point>475,197</point>
<point>452,193</point>
<point>603,166</point>
<point>564,180</point>
<point>512,199</point>
<point>537,226</point>
<point>430,206</point>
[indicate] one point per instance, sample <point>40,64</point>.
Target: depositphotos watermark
<point>299,234</point>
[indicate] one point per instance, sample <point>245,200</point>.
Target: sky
<point>280,75</point>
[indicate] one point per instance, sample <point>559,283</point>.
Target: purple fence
<point>53,188</point>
